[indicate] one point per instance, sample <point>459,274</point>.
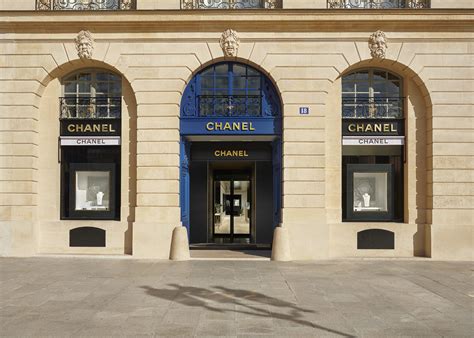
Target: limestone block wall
<point>307,69</point>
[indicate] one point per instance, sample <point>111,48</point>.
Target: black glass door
<point>232,206</point>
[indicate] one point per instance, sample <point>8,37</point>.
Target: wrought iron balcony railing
<point>373,108</point>
<point>85,5</point>
<point>378,4</point>
<point>230,105</point>
<point>230,4</point>
<point>82,107</point>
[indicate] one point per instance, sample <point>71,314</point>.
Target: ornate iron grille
<point>230,105</point>
<point>378,4</point>
<point>80,107</point>
<point>81,5</point>
<point>230,4</point>
<point>373,108</point>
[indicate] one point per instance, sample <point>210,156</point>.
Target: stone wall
<point>306,67</point>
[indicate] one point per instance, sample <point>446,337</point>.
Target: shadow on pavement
<point>248,300</point>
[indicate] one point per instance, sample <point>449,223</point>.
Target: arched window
<point>372,93</point>
<point>92,94</point>
<point>90,133</point>
<point>373,138</point>
<point>230,89</point>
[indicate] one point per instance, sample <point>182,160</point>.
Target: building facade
<point>348,122</point>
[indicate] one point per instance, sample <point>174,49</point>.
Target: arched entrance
<point>231,130</point>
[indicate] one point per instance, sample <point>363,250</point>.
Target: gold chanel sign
<point>91,128</point>
<point>372,128</point>
<point>231,153</point>
<point>230,126</point>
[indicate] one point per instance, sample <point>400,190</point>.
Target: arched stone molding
<point>414,233</point>
<point>53,233</point>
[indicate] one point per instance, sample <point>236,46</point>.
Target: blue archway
<point>230,98</point>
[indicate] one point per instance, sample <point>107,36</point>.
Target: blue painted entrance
<point>230,101</point>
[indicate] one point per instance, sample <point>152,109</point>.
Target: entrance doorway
<point>232,207</point>
<point>233,193</point>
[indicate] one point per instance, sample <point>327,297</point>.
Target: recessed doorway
<point>232,208</point>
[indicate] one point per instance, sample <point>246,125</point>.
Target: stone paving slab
<point>100,297</point>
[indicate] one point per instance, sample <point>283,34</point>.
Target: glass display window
<point>92,188</point>
<point>370,192</point>
<point>369,195</point>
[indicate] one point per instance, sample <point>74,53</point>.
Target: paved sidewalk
<point>116,297</point>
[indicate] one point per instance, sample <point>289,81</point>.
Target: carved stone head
<point>84,44</point>
<point>230,43</point>
<point>378,45</point>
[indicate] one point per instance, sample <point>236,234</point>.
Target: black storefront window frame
<point>371,216</point>
<point>92,214</point>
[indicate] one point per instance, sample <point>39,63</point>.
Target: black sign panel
<point>90,127</point>
<point>380,127</point>
<point>231,151</point>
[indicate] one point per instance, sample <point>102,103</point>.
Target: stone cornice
<point>429,20</point>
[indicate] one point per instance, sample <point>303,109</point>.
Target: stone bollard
<point>281,245</point>
<point>179,245</point>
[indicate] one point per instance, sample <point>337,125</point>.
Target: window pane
<point>254,93</point>
<point>239,92</point>
<point>102,77</point>
<point>207,82</point>
<point>115,89</point>
<point>102,88</point>
<point>92,190</point>
<point>70,87</point>
<point>239,82</point>
<point>222,82</point>
<point>239,70</point>
<point>393,88</point>
<point>362,76</point>
<point>222,70</point>
<point>362,87</point>
<point>84,77</point>
<point>207,92</point>
<point>379,87</point>
<point>370,192</point>
<point>348,86</point>
<point>252,72</point>
<point>84,87</point>
<point>380,76</point>
<point>254,82</point>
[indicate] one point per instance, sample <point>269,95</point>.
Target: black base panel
<point>376,239</point>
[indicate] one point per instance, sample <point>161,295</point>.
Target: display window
<point>369,192</point>
<point>90,189</point>
<point>94,190</point>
